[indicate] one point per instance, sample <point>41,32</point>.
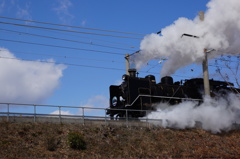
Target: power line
<point>50,37</point>
<point>65,57</point>
<point>113,43</point>
<point>70,57</point>
<point>73,31</point>
<point>88,66</point>
<point>63,47</point>
<point>71,26</point>
<point>221,59</point>
<point>70,64</point>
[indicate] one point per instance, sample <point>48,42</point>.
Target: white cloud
<point>56,112</point>
<point>98,101</point>
<point>118,82</point>
<point>27,81</point>
<point>24,12</point>
<point>83,23</point>
<point>2,6</point>
<point>20,9</point>
<point>62,11</point>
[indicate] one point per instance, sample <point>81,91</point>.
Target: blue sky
<point>75,66</point>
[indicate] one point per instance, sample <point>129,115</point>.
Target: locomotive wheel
<point>120,116</point>
<point>117,117</point>
<point>123,117</point>
<point>111,117</point>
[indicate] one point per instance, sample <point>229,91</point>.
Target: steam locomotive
<point>137,93</point>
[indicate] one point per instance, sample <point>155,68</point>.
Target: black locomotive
<point>143,93</point>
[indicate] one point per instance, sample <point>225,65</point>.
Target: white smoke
<point>220,30</point>
<point>214,115</point>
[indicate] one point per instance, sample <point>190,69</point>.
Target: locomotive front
<point>127,95</point>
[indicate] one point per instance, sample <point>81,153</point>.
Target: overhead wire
<point>65,57</point>
<point>79,65</point>
<point>63,47</point>
<point>70,64</point>
<point>64,30</point>
<point>113,43</point>
<point>63,39</point>
<point>105,30</point>
<point>70,57</point>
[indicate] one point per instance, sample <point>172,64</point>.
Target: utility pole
<point>205,65</point>
<point>127,63</point>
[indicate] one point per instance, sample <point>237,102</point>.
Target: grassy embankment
<point>48,140</point>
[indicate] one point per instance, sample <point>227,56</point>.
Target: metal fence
<point>15,112</point>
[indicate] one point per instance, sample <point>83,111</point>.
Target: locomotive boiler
<point>136,93</point>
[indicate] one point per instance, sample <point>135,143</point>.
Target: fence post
<point>127,117</point>
<point>105,117</point>
<point>34,113</point>
<point>8,112</point>
<point>147,111</point>
<point>83,116</point>
<point>60,120</point>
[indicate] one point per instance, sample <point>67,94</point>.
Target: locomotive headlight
<point>124,77</point>
<point>121,99</point>
<point>114,101</point>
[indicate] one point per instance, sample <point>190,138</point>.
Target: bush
<point>51,142</point>
<point>76,141</point>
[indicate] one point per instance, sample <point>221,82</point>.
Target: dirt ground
<point>49,140</point>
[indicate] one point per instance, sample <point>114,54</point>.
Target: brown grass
<point>48,140</point>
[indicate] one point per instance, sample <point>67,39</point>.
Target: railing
<point>54,113</point>
<point>164,97</point>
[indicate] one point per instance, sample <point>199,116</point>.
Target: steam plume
<point>220,30</point>
<point>214,115</point>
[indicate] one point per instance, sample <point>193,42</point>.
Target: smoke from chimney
<point>220,31</point>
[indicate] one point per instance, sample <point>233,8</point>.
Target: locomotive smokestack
<point>132,72</point>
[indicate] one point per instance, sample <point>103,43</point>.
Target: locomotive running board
<point>162,97</point>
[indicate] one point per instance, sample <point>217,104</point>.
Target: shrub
<point>76,141</point>
<point>51,142</point>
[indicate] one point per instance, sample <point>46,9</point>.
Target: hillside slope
<point>48,140</point>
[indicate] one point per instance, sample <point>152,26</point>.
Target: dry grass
<point>48,140</point>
